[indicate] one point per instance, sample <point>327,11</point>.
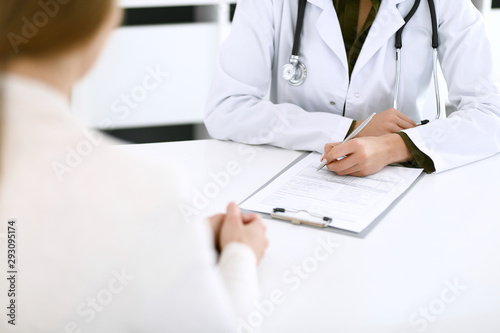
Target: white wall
<point>120,93</point>
<point>493,23</point>
<point>183,54</point>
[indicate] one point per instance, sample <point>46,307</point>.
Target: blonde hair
<point>44,28</point>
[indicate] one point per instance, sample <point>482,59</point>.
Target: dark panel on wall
<point>231,13</point>
<point>155,134</point>
<point>495,4</point>
<point>160,15</point>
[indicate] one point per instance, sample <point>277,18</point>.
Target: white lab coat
<point>309,116</point>
<point>101,244</point>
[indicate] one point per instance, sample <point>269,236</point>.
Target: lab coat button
<point>357,95</point>
<point>333,103</point>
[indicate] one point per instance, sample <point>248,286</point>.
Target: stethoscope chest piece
<point>295,72</point>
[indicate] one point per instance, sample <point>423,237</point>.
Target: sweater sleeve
<point>238,267</point>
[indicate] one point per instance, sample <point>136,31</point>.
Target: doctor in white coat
<point>250,102</point>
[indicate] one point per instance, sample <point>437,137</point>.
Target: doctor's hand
<point>366,156</point>
<point>386,122</point>
<point>248,229</point>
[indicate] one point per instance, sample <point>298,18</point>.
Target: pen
<point>349,137</point>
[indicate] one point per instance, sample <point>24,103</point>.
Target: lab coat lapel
<point>329,29</point>
<point>386,24</point>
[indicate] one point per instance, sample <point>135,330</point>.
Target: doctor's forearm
<point>398,151</point>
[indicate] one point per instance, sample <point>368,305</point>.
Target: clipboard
<point>301,217</point>
<point>309,219</point>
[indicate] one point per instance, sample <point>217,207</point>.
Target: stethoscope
<point>295,72</point>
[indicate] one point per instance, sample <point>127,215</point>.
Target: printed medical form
<point>351,202</point>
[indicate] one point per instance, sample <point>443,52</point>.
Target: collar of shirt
<point>348,13</point>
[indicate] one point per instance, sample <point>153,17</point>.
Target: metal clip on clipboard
<point>301,217</point>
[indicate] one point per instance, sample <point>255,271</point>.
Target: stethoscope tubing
<point>296,72</point>
<point>435,44</point>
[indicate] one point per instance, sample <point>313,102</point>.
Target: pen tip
<point>323,163</point>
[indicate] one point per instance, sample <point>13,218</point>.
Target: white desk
<point>379,283</point>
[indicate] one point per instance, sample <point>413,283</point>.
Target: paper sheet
<point>352,202</point>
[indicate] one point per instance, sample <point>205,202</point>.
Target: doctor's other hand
<point>246,229</point>
<point>366,156</point>
<point>386,122</point>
